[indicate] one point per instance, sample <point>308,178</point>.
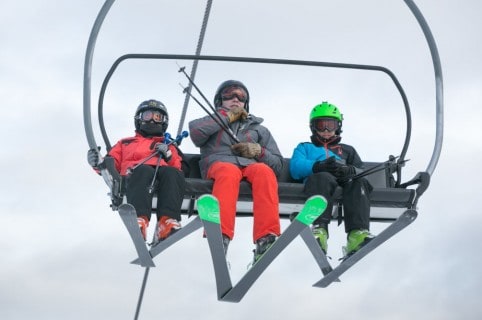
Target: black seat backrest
<point>379,179</point>
<point>285,175</point>
<point>190,165</point>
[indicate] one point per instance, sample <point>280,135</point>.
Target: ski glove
<point>93,158</point>
<point>247,149</point>
<point>236,113</point>
<point>344,172</point>
<point>164,151</point>
<point>327,165</point>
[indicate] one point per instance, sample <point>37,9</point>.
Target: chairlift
<point>395,199</point>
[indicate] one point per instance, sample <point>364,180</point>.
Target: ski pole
<point>151,187</point>
<point>167,137</point>
<point>182,69</point>
<point>376,168</point>
<point>165,153</point>
<point>178,140</point>
<point>186,90</point>
<point>218,120</point>
<point>191,82</point>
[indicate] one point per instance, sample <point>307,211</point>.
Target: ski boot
<point>262,245</point>
<point>226,241</point>
<point>356,239</point>
<point>321,235</point>
<point>143,223</point>
<point>166,227</point>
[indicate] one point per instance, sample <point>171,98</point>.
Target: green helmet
<point>326,109</point>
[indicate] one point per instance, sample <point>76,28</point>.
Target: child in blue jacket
<point>323,165</point>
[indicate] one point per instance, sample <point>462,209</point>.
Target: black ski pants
<point>356,199</point>
<point>169,188</point>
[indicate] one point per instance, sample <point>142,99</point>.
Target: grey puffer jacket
<point>215,143</point>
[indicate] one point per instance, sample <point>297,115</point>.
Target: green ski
<point>208,209</point>
<point>209,212</point>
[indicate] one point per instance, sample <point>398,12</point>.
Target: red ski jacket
<point>128,152</point>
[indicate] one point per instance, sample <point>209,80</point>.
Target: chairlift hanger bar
<point>87,84</point>
<point>89,54</point>
<point>439,103</point>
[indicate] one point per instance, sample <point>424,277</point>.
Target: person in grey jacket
<point>234,146</point>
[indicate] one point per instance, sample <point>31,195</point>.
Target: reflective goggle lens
<point>241,97</point>
<point>149,115</point>
<point>326,124</point>
<point>230,93</point>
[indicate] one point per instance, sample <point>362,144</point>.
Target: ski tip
<point>317,199</point>
<point>206,196</point>
<point>322,283</point>
<point>144,263</point>
<point>313,208</point>
<point>208,208</point>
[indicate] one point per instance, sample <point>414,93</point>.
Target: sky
<point>66,254</point>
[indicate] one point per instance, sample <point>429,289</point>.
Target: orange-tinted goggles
<point>322,124</point>
<point>234,92</point>
<point>241,97</point>
<point>149,115</point>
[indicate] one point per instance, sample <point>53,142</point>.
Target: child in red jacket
<point>151,121</point>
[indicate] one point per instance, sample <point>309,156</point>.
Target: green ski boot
<point>356,239</point>
<point>321,235</point>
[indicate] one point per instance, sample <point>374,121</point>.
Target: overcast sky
<point>66,254</point>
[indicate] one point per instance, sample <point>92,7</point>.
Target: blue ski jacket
<point>306,154</point>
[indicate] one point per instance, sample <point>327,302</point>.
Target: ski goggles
<point>322,124</point>
<point>149,115</point>
<point>232,93</point>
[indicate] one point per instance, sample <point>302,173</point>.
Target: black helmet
<point>227,84</point>
<point>151,105</point>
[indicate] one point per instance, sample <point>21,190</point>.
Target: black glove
<point>344,172</point>
<point>327,165</point>
<point>164,151</point>
<point>93,158</point>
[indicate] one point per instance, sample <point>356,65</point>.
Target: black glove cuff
<point>317,167</point>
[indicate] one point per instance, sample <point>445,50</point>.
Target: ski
<point>311,210</point>
<point>403,221</point>
<point>175,237</point>
<point>128,215</point>
<point>208,209</point>
<point>316,251</point>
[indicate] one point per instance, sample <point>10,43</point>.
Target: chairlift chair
<point>395,200</point>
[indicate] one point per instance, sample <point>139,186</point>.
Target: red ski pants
<point>227,177</point>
